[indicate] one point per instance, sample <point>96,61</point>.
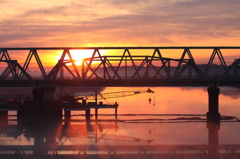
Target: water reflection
<point>94,139</point>
<point>170,129</point>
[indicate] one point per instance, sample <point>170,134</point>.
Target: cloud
<point>119,22</point>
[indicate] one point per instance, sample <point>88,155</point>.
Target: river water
<point>171,116</point>
<point>173,100</point>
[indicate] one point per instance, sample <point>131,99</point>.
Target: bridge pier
<point>38,94</point>
<point>3,118</point>
<point>49,94</point>
<point>88,114</point>
<point>87,111</point>
<point>116,113</point>
<point>213,114</point>
<point>21,115</point>
<point>54,111</point>
<point>67,116</point>
<point>44,94</point>
<point>96,113</point>
<point>44,106</point>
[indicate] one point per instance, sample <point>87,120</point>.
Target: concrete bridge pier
<point>44,104</point>
<point>21,114</point>
<point>213,114</point>
<point>87,111</point>
<point>44,94</point>
<point>88,114</point>
<point>3,118</point>
<point>96,113</point>
<point>53,111</point>
<point>67,116</point>
<point>116,112</point>
<point>49,94</point>
<point>38,94</point>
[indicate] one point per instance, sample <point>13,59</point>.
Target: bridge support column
<point>67,116</point>
<point>38,94</point>
<point>88,114</point>
<point>213,114</point>
<point>55,112</point>
<point>44,94</point>
<point>96,113</point>
<point>116,112</point>
<point>20,116</point>
<point>3,118</point>
<point>49,94</point>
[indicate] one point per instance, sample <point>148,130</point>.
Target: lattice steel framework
<point>127,69</point>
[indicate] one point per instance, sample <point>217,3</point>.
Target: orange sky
<point>54,23</point>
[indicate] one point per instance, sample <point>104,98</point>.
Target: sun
<point>79,55</point>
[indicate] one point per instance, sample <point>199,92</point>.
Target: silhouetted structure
<point>123,70</point>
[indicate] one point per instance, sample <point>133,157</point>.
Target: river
<point>172,117</point>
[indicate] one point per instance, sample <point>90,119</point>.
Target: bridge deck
<point>120,83</point>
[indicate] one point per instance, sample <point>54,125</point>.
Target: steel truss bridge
<point>127,69</point>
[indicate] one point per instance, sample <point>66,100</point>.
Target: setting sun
<point>79,55</point>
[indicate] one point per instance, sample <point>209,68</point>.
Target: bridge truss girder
<point>122,70</point>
